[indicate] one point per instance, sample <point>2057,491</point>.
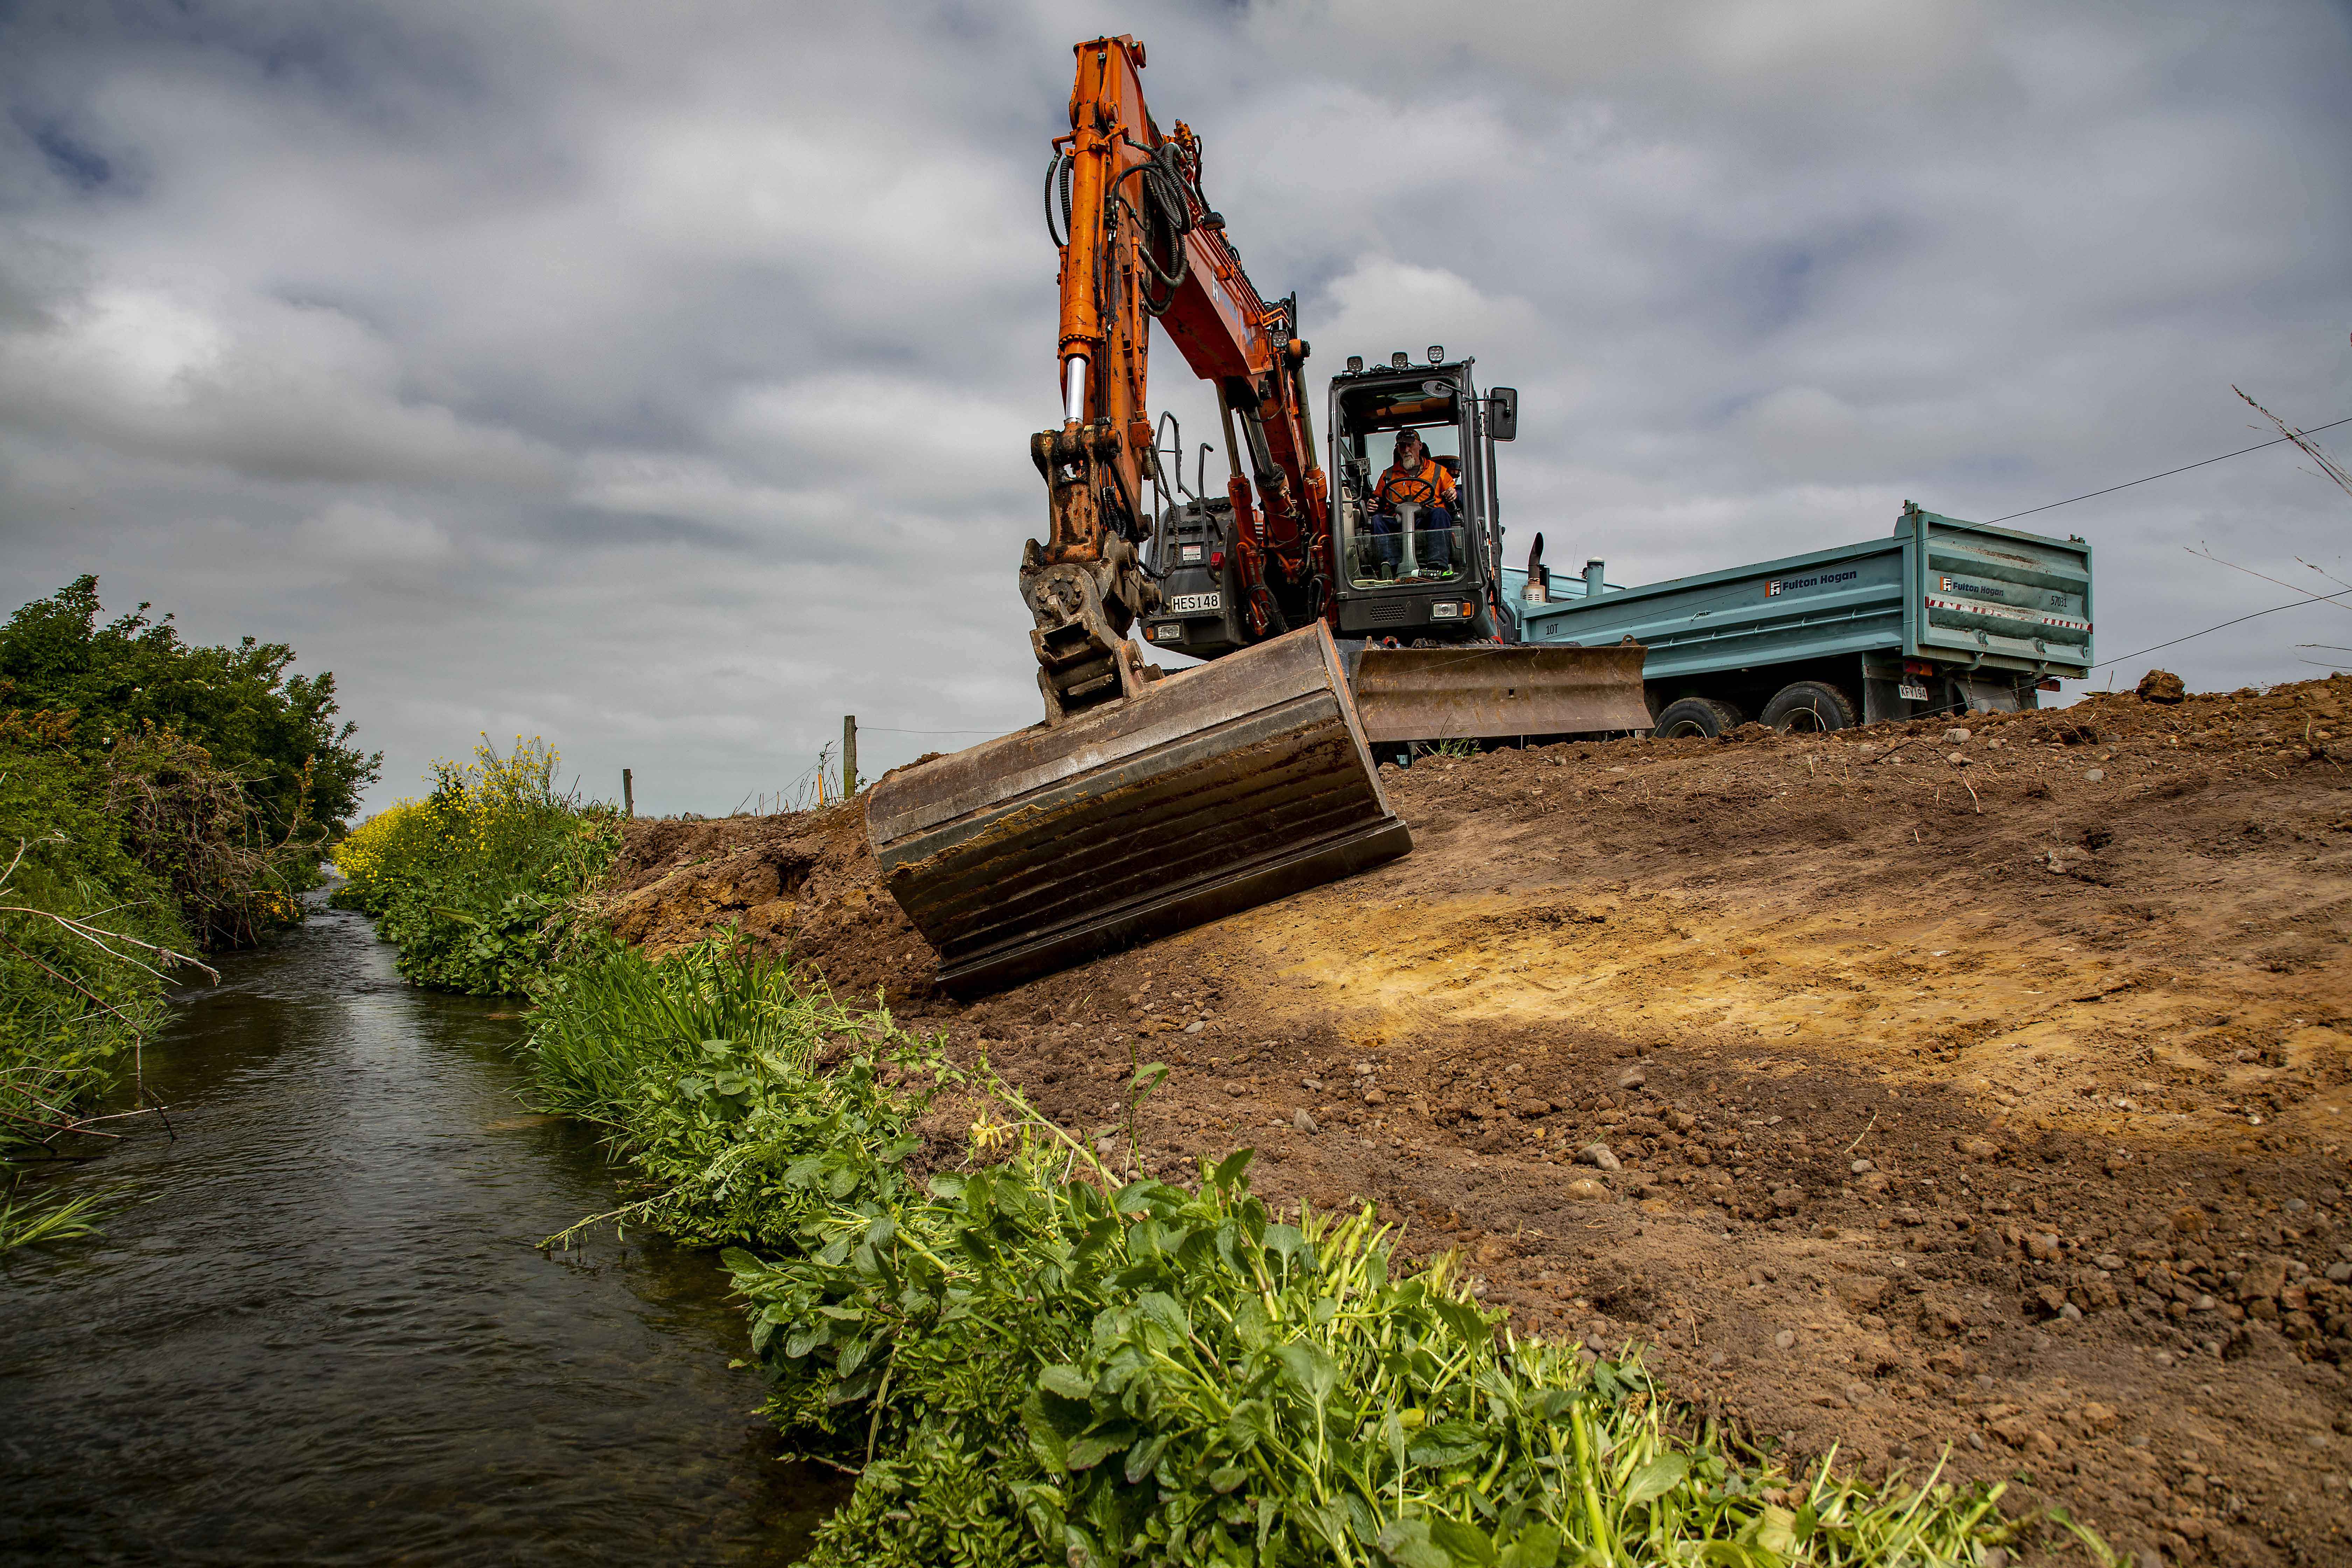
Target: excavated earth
<point>1901,1090</point>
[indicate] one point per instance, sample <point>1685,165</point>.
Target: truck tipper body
<point>1941,616</point>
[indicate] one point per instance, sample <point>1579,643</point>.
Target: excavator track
<point>1218,788</point>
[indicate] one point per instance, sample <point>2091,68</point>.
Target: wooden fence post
<point>848,755</point>
<point>628,795</point>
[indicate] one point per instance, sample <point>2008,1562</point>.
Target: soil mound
<point>1981,1084</point>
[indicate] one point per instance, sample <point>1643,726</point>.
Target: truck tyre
<point>1808,706</point>
<point>1696,716</point>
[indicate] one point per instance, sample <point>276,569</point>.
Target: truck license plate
<point>1912,693</point>
<point>1189,604</point>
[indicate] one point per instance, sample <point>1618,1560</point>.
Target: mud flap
<point>1488,692</point>
<point>1217,788</point>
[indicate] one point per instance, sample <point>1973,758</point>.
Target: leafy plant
<point>94,686</point>
<point>705,1067</point>
<point>86,939</point>
<point>1027,1361</point>
<point>473,882</point>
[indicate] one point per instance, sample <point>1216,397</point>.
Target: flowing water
<point>318,1328</point>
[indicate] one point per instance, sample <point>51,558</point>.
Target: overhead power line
<point>2192,637</point>
<point>2167,473</point>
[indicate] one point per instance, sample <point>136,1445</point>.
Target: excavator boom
<point>1145,803</point>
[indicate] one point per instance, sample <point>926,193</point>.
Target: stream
<point>317,1327</point>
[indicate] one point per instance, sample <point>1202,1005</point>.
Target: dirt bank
<point>1988,1092</point>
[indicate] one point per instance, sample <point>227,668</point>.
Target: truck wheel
<point>1808,706</point>
<point>1696,716</point>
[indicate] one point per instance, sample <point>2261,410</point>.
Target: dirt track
<point>1990,1093</point>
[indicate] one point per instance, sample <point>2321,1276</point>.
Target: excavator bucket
<point>1218,787</point>
<point>1485,692</point>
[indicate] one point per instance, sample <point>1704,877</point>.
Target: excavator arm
<point>1143,803</point>
<point>1142,244</point>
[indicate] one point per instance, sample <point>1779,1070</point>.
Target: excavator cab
<point>1424,577</point>
<point>1416,583</point>
<point>1440,658</point>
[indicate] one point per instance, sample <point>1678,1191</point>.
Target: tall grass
<point>1027,1360</point>
<point>471,882</point>
<point>704,1069</point>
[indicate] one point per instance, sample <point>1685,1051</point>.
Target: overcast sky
<point>658,378</point>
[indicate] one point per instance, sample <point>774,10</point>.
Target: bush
<point>473,882</point>
<point>81,984</point>
<point>1029,1362</point>
<point>184,817</point>
<point>225,774</point>
<point>274,731</point>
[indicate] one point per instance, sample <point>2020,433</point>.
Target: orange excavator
<point>1148,801</point>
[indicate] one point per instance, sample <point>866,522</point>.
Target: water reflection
<point>318,1329</point>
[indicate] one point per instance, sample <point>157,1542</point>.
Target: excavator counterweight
<point>1220,787</point>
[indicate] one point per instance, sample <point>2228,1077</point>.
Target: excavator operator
<point>1415,476</point>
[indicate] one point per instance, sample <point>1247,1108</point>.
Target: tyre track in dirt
<point>1987,1093</point>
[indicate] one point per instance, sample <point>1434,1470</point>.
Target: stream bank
<point>317,1327</point>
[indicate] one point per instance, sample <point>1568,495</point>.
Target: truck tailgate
<point>1998,596</point>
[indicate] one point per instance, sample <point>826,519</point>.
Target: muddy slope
<point>1903,1090</point>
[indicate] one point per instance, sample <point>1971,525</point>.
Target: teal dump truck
<point>1943,617</point>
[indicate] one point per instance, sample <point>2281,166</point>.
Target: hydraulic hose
<point>1057,172</point>
<point>1168,219</point>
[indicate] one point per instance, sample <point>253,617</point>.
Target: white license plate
<point>1187,604</point>
<point>1912,693</point>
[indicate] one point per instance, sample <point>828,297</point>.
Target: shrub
<point>225,774</point>
<point>473,882</point>
<point>81,985</point>
<point>274,731</point>
<point>184,817</point>
<point>153,796</point>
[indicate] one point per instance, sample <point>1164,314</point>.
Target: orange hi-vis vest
<point>1428,485</point>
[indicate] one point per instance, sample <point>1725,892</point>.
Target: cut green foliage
<point>1025,1362</point>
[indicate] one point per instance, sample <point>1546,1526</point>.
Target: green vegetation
<point>79,985</point>
<point>1027,1361</point>
<point>472,882</point>
<point>154,797</point>
<point>226,775</point>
